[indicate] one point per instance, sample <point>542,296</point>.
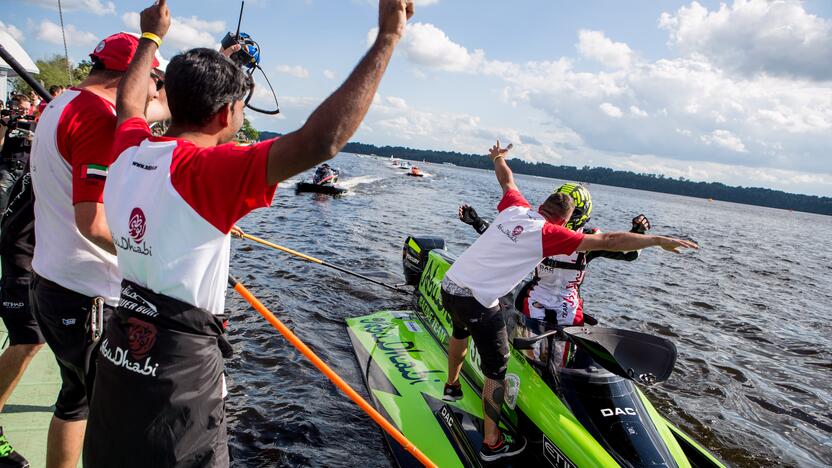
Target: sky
<point>738,92</point>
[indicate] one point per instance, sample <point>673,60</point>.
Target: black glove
<point>640,224</point>
<point>468,215</point>
<point>551,319</point>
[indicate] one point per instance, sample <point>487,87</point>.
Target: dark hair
<point>98,71</point>
<point>558,205</point>
<point>17,99</point>
<point>200,82</point>
<point>54,89</point>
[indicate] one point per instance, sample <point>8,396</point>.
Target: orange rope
<point>331,375</point>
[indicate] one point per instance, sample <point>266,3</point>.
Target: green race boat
<point>574,415</point>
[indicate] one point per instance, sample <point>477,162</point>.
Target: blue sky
<point>739,92</point>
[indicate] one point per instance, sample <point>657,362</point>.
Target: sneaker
<point>8,457</point>
<point>452,392</point>
<point>508,446</point>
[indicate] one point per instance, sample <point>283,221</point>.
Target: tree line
<point>604,176</point>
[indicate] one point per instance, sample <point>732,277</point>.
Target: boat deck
<point>25,419</point>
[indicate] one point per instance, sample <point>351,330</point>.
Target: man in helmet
<point>553,297</point>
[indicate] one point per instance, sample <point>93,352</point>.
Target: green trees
<point>54,71</point>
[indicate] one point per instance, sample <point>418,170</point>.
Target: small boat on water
<point>323,182</point>
<point>415,172</point>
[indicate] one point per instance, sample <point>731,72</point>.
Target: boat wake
<point>352,182</point>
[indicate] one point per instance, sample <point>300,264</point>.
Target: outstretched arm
<point>640,225</point>
<point>626,241</point>
<point>504,175</point>
<point>331,125</point>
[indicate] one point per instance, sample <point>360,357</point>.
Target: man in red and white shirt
<point>75,272</point>
<point>516,242</point>
<point>170,203</point>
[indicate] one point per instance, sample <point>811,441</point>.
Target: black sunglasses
<point>160,83</point>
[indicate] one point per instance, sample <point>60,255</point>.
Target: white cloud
<point>329,74</point>
<point>293,70</point>
<point>754,36</point>
<point>185,32</point>
<point>96,7</point>
<point>426,45</point>
<point>725,139</point>
<point>51,32</point>
<point>596,46</point>
<point>11,30</point>
<point>688,108</point>
<point>611,110</point>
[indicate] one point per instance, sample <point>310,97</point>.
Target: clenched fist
<point>393,15</point>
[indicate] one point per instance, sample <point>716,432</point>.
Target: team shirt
<point>558,289</point>
<point>70,155</point>
<point>170,206</point>
<point>517,240</point>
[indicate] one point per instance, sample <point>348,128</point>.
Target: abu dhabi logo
<point>513,234</point>
<point>138,224</point>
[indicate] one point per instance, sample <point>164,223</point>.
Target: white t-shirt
<point>170,206</point>
<point>513,245</point>
<point>70,156</point>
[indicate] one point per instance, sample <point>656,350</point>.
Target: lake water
<point>749,312</point>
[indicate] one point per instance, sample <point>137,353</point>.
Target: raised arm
<point>501,169</point>
<point>132,96</point>
<point>331,125</point>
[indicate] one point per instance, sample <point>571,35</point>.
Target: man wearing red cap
<point>76,282</point>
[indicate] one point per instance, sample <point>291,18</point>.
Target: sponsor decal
<point>398,351</point>
<point>554,456</point>
<point>137,225</point>
<point>94,171</point>
<point>68,322</point>
<point>13,305</point>
<point>512,234</point>
<point>607,412</point>
<point>446,416</point>
<point>136,229</point>
<point>146,167</point>
<point>512,389</point>
<point>132,301</point>
<point>120,358</point>
<point>413,326</point>
<point>141,336</point>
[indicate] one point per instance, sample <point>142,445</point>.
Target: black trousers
<point>157,399</point>
<point>485,326</point>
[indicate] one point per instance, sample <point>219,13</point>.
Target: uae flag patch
<point>93,171</point>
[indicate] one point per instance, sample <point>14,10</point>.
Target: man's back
<point>515,243</point>
<point>62,177</point>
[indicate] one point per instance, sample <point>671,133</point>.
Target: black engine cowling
<point>415,256</point>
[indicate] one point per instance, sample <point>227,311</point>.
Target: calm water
<point>749,313</point>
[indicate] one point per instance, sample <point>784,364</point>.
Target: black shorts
<point>17,315</point>
<point>486,326</point>
<point>63,316</point>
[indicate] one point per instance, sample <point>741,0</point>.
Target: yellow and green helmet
<point>582,201</point>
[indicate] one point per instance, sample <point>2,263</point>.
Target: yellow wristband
<point>152,37</point>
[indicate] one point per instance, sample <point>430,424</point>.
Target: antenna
<point>240,21</point>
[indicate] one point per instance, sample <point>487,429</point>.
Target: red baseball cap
<point>115,52</point>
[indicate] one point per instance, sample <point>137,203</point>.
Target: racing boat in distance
<point>415,172</point>
<point>323,182</point>
<point>579,408</point>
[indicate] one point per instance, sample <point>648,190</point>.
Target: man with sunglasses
<point>76,278</point>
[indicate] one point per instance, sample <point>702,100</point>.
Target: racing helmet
<point>582,201</point>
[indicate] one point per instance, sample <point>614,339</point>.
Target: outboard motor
<point>415,256</point>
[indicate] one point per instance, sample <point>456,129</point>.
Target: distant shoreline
<point>604,176</point>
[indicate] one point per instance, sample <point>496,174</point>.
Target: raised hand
<point>670,244</point>
<point>393,15</point>
<point>467,214</point>
<point>156,18</point>
<point>497,152</point>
